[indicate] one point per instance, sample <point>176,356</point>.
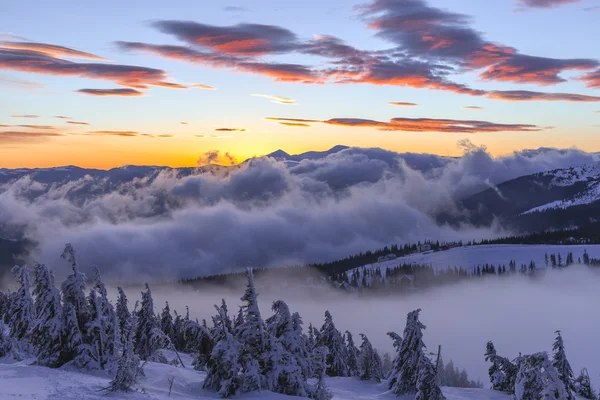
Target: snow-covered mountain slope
<point>553,199</point>
<point>21,381</point>
<point>471,256</point>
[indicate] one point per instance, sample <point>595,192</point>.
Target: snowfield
<point>470,257</point>
<point>18,380</point>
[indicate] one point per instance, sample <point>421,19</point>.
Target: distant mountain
<point>560,198</point>
<point>281,155</point>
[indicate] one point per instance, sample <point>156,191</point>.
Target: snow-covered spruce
<point>538,379</point>
<point>404,375</point>
<point>337,357</point>
<point>583,386</point>
<point>149,339</point>
<point>353,355</point>
<point>128,365</point>
<point>369,361</point>
<point>427,386</point>
<point>560,362</point>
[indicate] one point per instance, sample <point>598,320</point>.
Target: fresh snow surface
<point>470,257</point>
<point>18,380</point>
<point>569,177</point>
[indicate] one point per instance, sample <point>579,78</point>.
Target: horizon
<point>164,85</point>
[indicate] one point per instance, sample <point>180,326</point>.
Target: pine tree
<point>353,356</point>
<point>73,288</point>
<point>47,331</point>
<point>538,379</point>
<point>337,357</point>
<point>5,346</point>
<point>370,363</point>
<point>320,391</point>
<point>166,323</point>
<point>21,308</point>
<point>224,364</point>
<point>427,387</point>
<point>128,366</point>
<point>403,378</point>
<point>583,386</point>
<point>123,315</point>
<point>252,331</point>
<point>440,377</point>
<point>560,362</point>
<point>497,377</point>
<point>149,339</point>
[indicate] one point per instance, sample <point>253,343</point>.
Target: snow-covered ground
<point>18,380</point>
<point>496,254</point>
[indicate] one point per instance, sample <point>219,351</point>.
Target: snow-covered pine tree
<point>560,362</point>
<point>320,391</point>
<point>353,356</point>
<point>427,385</point>
<point>73,288</point>
<point>98,350</point>
<point>128,365</point>
<point>369,361</point>
<point>497,377</point>
<point>21,307</point>
<point>47,330</point>
<point>166,323</point>
<point>224,366</point>
<point>310,342</point>
<point>252,332</point>
<point>280,370</point>
<point>281,326</point>
<point>123,315</point>
<point>403,378</point>
<point>239,319</point>
<point>109,323</point>
<point>538,379</point>
<point>440,377</point>
<point>330,337</point>
<point>178,330</point>
<point>149,339</point>
<point>583,386</point>
<point>4,340</point>
<point>300,349</point>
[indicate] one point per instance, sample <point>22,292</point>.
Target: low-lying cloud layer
<point>182,223</point>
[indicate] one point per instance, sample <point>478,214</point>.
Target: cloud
<point>424,125</point>
<point>473,107</point>
<point>62,117</point>
<point>211,157</point>
<point>25,116</point>
<point>235,9</point>
<point>18,137</point>
<point>230,130</point>
<point>546,3</point>
<point>277,99</point>
<point>402,104</point>
<point>214,136</point>
<point>202,86</point>
<point>183,123</point>
<point>536,70</point>
<point>592,79</point>
<point>77,123</point>
<point>240,39</point>
<point>171,224</point>
<point>165,135</point>
<point>296,124</point>
<point>51,50</point>
<point>39,62</point>
<point>36,126</point>
<point>593,8</point>
<point>111,92</point>
<point>526,95</point>
<point>114,133</point>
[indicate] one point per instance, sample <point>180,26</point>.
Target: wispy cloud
<point>52,50</point>
<point>546,3</point>
<point>473,107</point>
<point>62,117</point>
<point>277,99</point>
<point>526,95</point>
<point>25,116</point>
<point>111,92</point>
<point>45,127</point>
<point>114,133</point>
<point>235,9</point>
<point>16,137</point>
<point>230,129</point>
<point>77,123</point>
<point>402,104</point>
<point>296,124</point>
<point>213,136</point>
<point>421,125</point>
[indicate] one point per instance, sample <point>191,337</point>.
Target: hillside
<point>20,380</point>
<point>558,198</point>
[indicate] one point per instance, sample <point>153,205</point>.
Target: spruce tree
<point>560,362</point>
<point>538,379</point>
<point>47,332</point>
<point>427,386</point>
<point>369,361</point>
<point>252,331</point>
<point>503,372</point>
<point>21,308</point>
<point>166,323</point>
<point>123,315</point>
<point>320,391</point>
<point>128,365</point>
<point>149,339</point>
<point>224,364</point>
<point>583,386</point>
<point>403,378</point>
<point>73,288</point>
<point>353,356</point>
<point>337,357</point>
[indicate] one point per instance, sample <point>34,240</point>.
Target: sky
<point>160,83</point>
